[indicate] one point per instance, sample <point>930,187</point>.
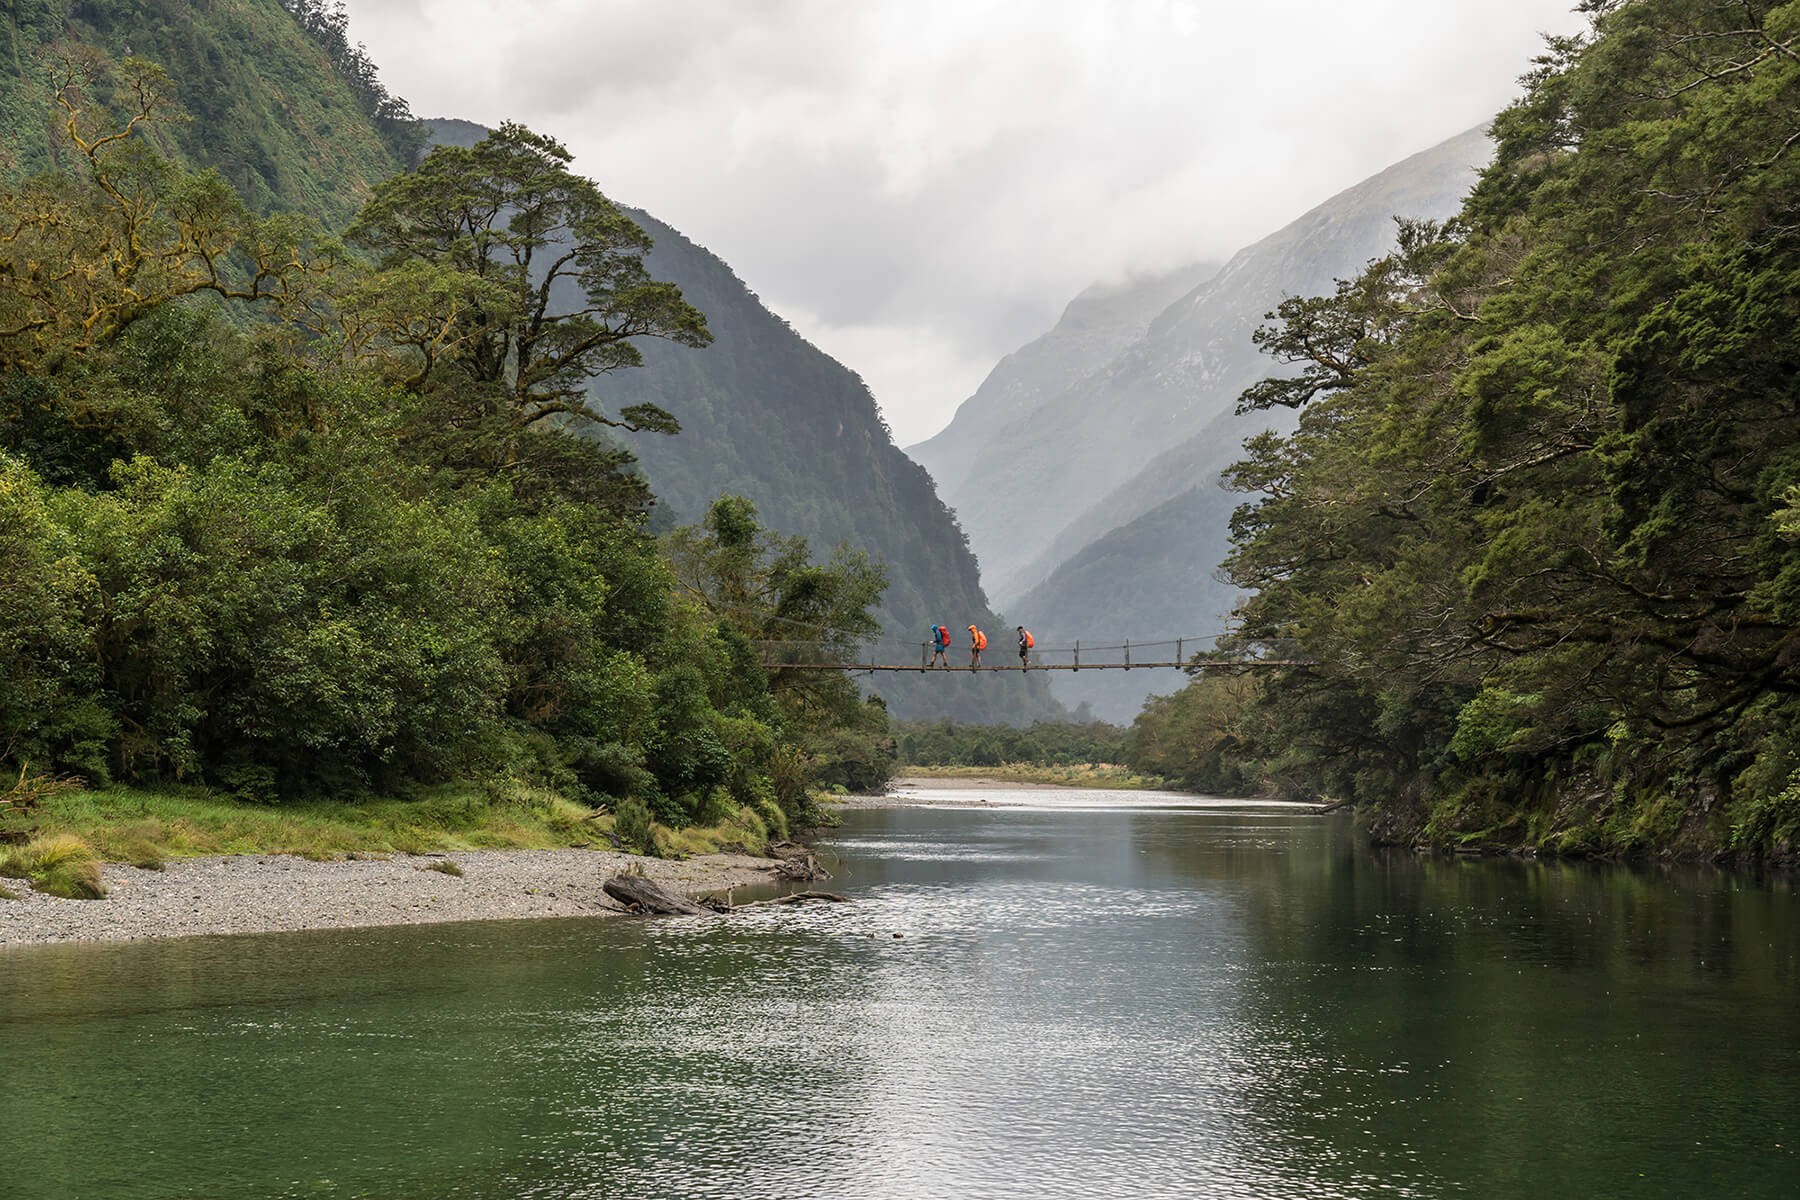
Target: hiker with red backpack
<point>940,645</point>
<point>977,643</point>
<point>1026,642</point>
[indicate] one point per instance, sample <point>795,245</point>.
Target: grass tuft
<point>58,865</point>
<point>443,866</point>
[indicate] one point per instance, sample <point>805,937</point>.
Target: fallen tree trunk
<point>649,896</point>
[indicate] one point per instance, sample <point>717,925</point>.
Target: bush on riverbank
<point>1111,776</point>
<point>1045,744</point>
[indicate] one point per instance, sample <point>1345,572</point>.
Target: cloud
<point>945,174</point>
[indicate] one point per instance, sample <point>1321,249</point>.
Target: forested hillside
<point>289,514</point>
<point>277,101</point>
<point>1539,524</point>
<point>767,415</point>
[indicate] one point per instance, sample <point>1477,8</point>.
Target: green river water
<point>1096,995</point>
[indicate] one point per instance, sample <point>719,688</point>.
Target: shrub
<point>631,822</point>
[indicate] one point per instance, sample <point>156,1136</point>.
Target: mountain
<point>284,110</point>
<point>767,415</point>
<point>1103,427</point>
<point>1134,550</point>
<point>1097,325</point>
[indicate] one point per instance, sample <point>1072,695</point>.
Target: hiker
<point>1026,642</point>
<point>940,645</point>
<point>977,643</point>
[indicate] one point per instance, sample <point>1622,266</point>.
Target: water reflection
<point>1150,1002</point>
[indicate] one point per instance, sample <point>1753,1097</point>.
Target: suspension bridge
<point>1001,656</point>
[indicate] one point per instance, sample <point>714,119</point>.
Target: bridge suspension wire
<point>1002,655</point>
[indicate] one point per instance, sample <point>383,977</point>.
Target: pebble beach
<point>272,893</point>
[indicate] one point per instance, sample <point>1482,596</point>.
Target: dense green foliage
<point>359,543</point>
<point>1536,525</point>
<point>1200,737</point>
<point>1045,744</point>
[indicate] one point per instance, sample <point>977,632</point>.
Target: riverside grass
<point>147,828</point>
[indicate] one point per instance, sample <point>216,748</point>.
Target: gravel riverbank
<point>263,894</point>
<point>942,791</point>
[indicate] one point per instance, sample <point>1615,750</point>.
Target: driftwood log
<point>649,896</point>
<point>797,862</point>
<point>635,891</point>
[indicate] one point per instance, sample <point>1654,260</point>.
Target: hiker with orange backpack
<point>1026,642</point>
<point>940,645</point>
<point>977,643</point>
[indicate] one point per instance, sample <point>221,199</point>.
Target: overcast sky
<point>919,186</point>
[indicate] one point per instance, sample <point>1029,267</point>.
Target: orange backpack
<point>1029,640</point>
<point>980,640</point>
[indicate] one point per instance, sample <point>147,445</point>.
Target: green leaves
<point>1541,489</point>
<point>357,544</point>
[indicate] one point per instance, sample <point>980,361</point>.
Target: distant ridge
<point>1106,506</point>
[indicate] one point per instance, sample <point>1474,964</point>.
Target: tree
<point>777,605</point>
<point>81,260</point>
<point>534,281</point>
<point>1534,524</point>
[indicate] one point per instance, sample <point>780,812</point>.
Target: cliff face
<point>1104,519</point>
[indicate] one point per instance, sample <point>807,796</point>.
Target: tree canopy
<point>284,516</point>
<point>1535,524</point>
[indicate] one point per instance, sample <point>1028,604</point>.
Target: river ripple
<point>1167,999</point>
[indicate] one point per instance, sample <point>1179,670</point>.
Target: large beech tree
<point>534,282</point>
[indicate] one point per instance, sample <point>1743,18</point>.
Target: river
<point>1093,995</point>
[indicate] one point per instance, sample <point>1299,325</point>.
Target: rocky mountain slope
<point>1100,323</point>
